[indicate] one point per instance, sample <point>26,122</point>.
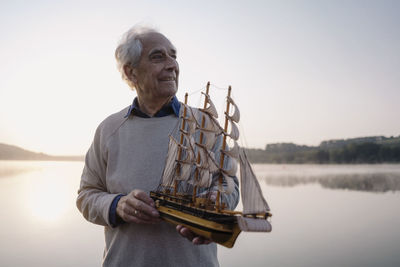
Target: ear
<point>130,73</point>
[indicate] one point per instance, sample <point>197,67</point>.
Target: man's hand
<point>138,207</point>
<point>192,237</point>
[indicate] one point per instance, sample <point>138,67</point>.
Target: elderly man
<point>126,159</point>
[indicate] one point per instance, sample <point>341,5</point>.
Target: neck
<point>151,107</point>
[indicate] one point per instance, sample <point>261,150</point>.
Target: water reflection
<point>369,178</point>
<point>44,191</point>
<point>47,198</point>
<point>14,168</point>
<point>41,219</point>
<point>377,182</point>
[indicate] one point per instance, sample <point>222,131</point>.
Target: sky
<point>300,71</point>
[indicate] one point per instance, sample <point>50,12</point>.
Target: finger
<point>207,241</point>
<point>198,240</point>
<point>127,209</point>
<point>129,213</point>
<point>138,197</point>
<point>134,219</point>
<point>178,228</point>
<point>143,208</point>
<point>185,232</point>
<point>140,215</point>
<point>145,217</point>
<point>143,196</point>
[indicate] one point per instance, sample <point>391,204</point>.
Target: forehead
<point>155,40</point>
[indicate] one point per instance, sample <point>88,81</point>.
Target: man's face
<point>156,76</point>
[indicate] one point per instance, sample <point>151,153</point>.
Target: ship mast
<point>203,121</point>
<point>178,169</point>
<point>221,163</point>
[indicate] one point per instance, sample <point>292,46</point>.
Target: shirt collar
<point>172,107</point>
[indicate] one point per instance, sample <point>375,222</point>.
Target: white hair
<point>130,48</point>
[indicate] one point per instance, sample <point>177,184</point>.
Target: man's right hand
<point>138,207</point>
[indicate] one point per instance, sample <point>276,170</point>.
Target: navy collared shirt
<point>172,107</point>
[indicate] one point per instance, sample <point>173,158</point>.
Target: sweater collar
<point>172,107</point>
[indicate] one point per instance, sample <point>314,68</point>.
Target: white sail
<point>202,179</point>
<point>236,113</point>
<point>170,164</point>
<point>230,184</point>
<point>231,169</point>
<point>190,120</point>
<point>233,152</point>
<point>210,129</point>
<point>205,178</point>
<point>185,170</point>
<point>205,166</point>
<point>252,197</point>
<point>191,127</point>
<point>234,134</point>
<point>211,110</point>
<point>212,165</point>
<point>209,139</point>
<point>195,114</point>
<point>210,124</point>
<point>188,154</point>
<point>185,164</point>
<point>189,142</point>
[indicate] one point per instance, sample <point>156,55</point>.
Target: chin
<point>171,91</point>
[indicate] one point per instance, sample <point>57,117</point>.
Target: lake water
<point>323,215</point>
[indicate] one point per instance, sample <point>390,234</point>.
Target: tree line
<point>376,149</point>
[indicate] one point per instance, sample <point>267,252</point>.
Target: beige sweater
<point>126,154</point>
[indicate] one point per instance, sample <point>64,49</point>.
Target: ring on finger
<point>135,212</point>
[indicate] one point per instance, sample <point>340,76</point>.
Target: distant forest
<point>375,149</point>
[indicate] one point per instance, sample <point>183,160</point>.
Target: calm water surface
<point>336,215</point>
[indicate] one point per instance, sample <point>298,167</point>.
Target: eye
<point>157,56</point>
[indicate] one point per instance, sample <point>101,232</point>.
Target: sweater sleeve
<point>94,200</point>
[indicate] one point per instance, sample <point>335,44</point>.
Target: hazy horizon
<point>73,155</point>
<point>301,71</point>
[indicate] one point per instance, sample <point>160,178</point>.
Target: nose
<point>172,64</point>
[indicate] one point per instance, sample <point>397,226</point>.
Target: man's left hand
<point>192,237</point>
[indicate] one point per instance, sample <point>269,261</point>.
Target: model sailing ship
<point>194,181</point>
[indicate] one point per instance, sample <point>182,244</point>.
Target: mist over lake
<point>323,215</point>
<point>367,177</point>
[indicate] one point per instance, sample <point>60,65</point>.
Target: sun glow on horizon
<point>47,198</point>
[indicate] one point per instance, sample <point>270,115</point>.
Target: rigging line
<point>221,106</point>
<point>194,117</point>
<point>195,92</point>
<point>199,101</point>
<point>218,87</point>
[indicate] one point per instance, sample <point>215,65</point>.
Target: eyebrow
<point>158,50</point>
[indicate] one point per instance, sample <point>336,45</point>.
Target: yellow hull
<point>223,234</point>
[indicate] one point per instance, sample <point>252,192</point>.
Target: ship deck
<point>184,204</point>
